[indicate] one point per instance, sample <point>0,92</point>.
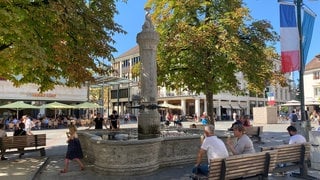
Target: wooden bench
<point>291,157</point>
<point>254,132</point>
<point>20,142</point>
<point>255,165</point>
<point>197,126</point>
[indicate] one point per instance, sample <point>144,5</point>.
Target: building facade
<point>225,104</point>
<point>29,94</point>
<point>311,79</point>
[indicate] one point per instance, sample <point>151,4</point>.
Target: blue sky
<point>131,18</point>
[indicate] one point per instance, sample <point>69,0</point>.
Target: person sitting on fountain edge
<point>114,121</point>
<point>213,146</point>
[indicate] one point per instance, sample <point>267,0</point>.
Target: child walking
<point>74,151</point>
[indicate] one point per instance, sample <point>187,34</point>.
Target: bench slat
<point>291,155</point>
<point>237,166</point>
<point>24,141</point>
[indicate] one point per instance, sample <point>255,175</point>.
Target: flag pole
<point>302,65</point>
<point>304,125</point>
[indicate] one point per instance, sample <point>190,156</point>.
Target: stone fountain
<point>149,118</point>
<point>151,149</point>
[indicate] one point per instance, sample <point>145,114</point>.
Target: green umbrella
<point>18,105</point>
<point>57,105</point>
<point>87,105</point>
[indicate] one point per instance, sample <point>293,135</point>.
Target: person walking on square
<point>3,134</point>
<point>213,146</point>
<point>295,138</point>
<point>293,117</point>
<point>74,151</point>
<point>234,116</point>
<point>243,145</point>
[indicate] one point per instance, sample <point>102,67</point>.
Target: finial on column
<point>147,26</point>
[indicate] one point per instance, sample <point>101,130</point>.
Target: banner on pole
<point>289,39</point>
<point>307,31</point>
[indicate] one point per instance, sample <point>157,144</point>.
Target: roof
<point>313,64</point>
<point>110,80</point>
<point>131,51</point>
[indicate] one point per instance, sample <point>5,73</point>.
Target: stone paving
<point>32,166</point>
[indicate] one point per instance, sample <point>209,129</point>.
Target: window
<point>316,75</point>
<point>135,60</point>
<point>317,91</point>
<point>125,63</point>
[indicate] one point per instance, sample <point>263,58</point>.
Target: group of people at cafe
<point>11,123</point>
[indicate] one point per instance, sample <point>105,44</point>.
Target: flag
<point>271,100</point>
<point>307,30</point>
<point>289,39</point>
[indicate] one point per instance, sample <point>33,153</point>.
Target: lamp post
<point>304,126</point>
<point>302,65</point>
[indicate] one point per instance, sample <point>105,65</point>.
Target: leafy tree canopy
<point>206,44</point>
<point>55,42</point>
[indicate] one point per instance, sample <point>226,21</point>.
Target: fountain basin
<point>136,157</point>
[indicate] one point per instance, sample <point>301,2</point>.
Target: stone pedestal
<point>303,128</point>
<point>265,115</point>
<point>149,118</point>
<point>315,149</point>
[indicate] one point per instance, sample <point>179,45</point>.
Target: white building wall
<point>309,85</point>
<point>29,92</point>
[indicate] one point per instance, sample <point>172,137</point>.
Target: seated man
<point>213,146</point>
<point>295,138</point>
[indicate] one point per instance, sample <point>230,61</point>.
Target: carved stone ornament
<point>147,26</point>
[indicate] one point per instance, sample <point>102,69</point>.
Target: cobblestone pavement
<point>32,166</point>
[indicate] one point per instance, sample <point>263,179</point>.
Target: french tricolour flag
<point>289,39</point>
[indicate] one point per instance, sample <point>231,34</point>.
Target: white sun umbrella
<point>170,106</point>
<point>291,103</point>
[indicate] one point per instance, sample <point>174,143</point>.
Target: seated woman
<point>243,144</point>
<point>245,121</point>
<point>204,118</point>
<point>20,132</point>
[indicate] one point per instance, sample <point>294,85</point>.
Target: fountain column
<point>149,118</point>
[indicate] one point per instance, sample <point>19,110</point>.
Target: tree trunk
<point>209,97</point>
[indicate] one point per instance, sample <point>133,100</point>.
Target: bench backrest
<point>254,130</point>
<point>24,141</point>
<point>246,165</point>
<point>291,152</point>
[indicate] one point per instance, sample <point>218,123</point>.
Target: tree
<point>136,70</point>
<point>205,44</point>
<point>56,42</point>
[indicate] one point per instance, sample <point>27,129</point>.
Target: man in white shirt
<point>28,124</point>
<point>213,146</point>
<point>295,138</point>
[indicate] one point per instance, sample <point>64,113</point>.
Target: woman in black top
<point>114,120</point>
<point>20,132</point>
